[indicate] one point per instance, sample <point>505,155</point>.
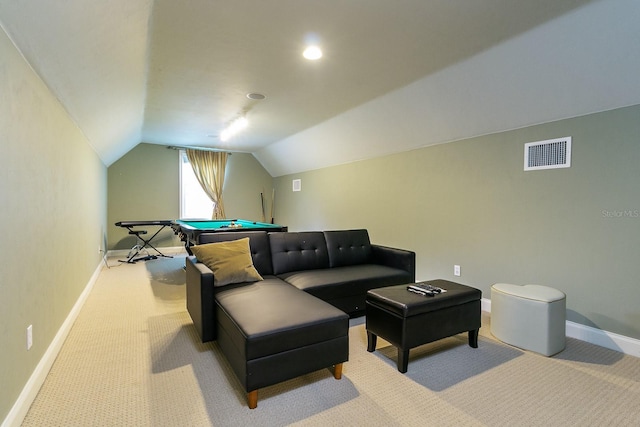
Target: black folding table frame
<point>129,225</point>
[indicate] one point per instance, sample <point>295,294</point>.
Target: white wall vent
<point>297,184</point>
<point>549,154</point>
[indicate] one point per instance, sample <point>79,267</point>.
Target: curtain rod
<point>188,147</point>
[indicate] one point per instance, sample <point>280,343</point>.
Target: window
<point>194,202</point>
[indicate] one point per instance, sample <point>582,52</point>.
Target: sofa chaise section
<point>271,332</point>
<point>201,291</point>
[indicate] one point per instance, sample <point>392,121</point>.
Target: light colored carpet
<point>133,359</point>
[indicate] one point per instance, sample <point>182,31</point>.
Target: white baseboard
<point>486,304</point>
<point>602,338</point>
<point>32,387</point>
<point>610,340</point>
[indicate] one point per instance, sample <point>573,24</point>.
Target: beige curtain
<point>209,167</point>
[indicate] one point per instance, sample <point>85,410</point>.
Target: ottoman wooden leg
<point>371,341</point>
<point>252,398</point>
<point>473,338</point>
<point>403,360</point>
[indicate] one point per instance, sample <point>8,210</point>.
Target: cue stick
<point>262,205</point>
<point>273,197</point>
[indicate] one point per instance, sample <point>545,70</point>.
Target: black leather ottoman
<point>408,320</point>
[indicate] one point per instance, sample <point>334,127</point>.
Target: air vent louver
<point>549,154</point>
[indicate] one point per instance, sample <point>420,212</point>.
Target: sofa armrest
<point>396,258</point>
<point>200,298</point>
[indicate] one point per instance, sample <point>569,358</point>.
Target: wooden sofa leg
<point>252,398</point>
<point>337,371</point>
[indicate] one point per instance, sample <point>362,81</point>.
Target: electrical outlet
<point>29,336</point>
<point>456,270</point>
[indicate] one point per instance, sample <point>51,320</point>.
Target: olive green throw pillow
<point>230,261</point>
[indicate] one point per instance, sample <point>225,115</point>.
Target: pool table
<point>189,230</point>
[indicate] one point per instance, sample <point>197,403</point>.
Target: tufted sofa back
<point>283,252</point>
<point>295,251</point>
<point>348,247</point>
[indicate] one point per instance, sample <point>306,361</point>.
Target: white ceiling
<point>396,75</point>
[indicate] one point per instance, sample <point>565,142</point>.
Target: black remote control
<point>420,290</point>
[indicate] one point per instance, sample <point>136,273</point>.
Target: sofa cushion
<point>305,250</point>
<point>229,261</point>
<point>258,243</point>
<point>338,282</point>
<point>271,316</point>
<point>348,247</point>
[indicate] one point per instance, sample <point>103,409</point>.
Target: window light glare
<point>236,126</point>
<point>312,53</point>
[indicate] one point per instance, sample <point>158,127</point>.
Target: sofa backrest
<point>295,251</point>
<point>258,244</point>
<point>348,247</point>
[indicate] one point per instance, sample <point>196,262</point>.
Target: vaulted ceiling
<point>395,75</point>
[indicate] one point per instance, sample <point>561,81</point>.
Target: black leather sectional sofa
<point>295,321</point>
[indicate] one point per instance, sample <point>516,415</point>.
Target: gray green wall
<point>470,203</point>
<point>145,184</point>
<point>53,191</point>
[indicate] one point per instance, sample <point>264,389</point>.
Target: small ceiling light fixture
<point>256,96</point>
<point>236,126</point>
<point>312,53</point>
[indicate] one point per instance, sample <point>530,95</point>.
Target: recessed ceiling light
<point>312,53</point>
<point>256,96</point>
